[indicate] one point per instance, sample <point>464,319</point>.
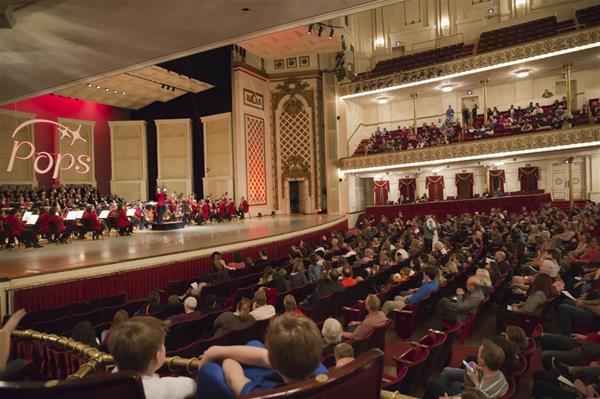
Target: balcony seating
<point>588,16</point>
<point>360,378</point>
<point>418,60</point>
<point>118,385</point>
<point>517,34</point>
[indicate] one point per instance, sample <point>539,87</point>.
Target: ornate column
<point>569,161</point>
<point>414,97</point>
<point>567,68</point>
<point>484,83</point>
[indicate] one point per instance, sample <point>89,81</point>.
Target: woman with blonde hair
<point>297,276</point>
<point>290,305</point>
<point>485,280</point>
<point>241,318</point>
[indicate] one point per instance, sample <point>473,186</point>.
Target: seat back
<point>377,339</point>
<point>360,378</point>
<point>414,359</point>
<point>117,385</point>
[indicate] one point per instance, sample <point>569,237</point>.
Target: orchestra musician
<point>57,226</point>
<point>161,196</point>
<point>42,224</point>
<point>123,223</point>
<point>19,230</point>
<point>243,208</point>
<point>91,223</point>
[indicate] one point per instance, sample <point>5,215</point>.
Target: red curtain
<point>138,283</point>
<point>435,185</point>
<point>497,180</point>
<point>407,188</point>
<point>529,177</point>
<point>464,185</point>
<point>381,188</point>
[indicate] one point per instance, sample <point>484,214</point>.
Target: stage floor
<point>52,258</point>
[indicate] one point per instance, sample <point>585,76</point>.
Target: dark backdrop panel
<point>214,67</point>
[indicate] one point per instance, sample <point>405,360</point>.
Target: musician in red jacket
<point>123,223</point>
<point>204,205</point>
<point>42,223</point>
<point>19,230</point>
<point>231,211</point>
<point>161,197</point>
<point>92,221</point>
<point>57,226</point>
<point>221,210</point>
<point>243,208</point>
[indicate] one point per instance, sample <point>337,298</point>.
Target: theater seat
<point>360,378</point>
<point>120,385</point>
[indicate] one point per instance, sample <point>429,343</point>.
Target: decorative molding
<point>254,99</point>
<point>515,53</point>
<point>546,139</point>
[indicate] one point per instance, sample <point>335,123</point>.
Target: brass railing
<point>94,358</point>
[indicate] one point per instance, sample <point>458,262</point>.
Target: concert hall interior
<point>310,199</point>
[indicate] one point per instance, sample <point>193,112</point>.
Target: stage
<point>23,268</point>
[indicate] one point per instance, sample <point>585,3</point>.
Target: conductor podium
<point>168,226</point>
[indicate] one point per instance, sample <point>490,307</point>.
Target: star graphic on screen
<point>76,136</point>
<point>64,132</point>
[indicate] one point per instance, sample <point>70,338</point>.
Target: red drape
<point>464,185</point>
<point>407,188</point>
<point>138,283</point>
<point>381,188</point>
<point>435,185</point>
<point>528,177</point>
<point>497,180</point>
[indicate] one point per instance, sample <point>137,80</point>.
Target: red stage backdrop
<point>52,107</point>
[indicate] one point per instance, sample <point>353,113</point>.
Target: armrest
<point>402,311</point>
<point>398,359</point>
<point>349,309</point>
<point>414,343</point>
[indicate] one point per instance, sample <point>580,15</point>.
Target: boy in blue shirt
<point>416,295</point>
<point>292,353</point>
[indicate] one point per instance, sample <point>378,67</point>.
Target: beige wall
<point>174,148</point>
<point>218,156</point>
<point>22,173</point>
<point>129,160</point>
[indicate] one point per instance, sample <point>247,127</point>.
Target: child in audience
<point>343,353</point>
<point>139,345</point>
<point>291,353</point>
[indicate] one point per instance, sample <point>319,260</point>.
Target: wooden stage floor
<point>52,258</point>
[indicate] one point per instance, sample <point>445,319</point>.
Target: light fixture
<point>490,11</point>
<point>320,30</point>
<point>522,73</point>
<point>379,42</point>
<point>436,170</point>
<point>447,88</point>
<point>383,100</point>
<point>469,92</point>
<point>114,91</point>
<point>97,87</point>
<point>331,33</point>
<point>444,23</point>
<point>520,3</point>
<point>310,29</point>
<point>397,42</point>
<point>106,89</point>
<point>123,92</point>
<point>89,85</point>
<point>498,163</point>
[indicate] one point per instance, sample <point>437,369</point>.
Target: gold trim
<point>548,138</point>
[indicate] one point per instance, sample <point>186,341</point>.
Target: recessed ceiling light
<point>522,73</point>
<point>383,100</point>
<point>114,91</point>
<point>89,85</point>
<point>122,92</point>
<point>447,88</point>
<point>245,10</point>
<point>106,89</point>
<point>97,87</point>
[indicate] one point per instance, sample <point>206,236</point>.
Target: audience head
<point>84,332</point>
<point>332,331</point>
<point>154,298</point>
<point>517,336</point>
<point>298,265</point>
<point>542,282</point>
<point>298,332</point>
<point>119,318</point>
<point>430,274</point>
<point>289,303</point>
<point>490,355</point>
<point>190,304</point>
<point>372,303</point>
<point>472,283</point>
<point>484,277</point>
<point>347,272</point>
<point>343,354</point>
<point>499,256</point>
<point>243,309</point>
<point>138,345</point>
<point>210,301</point>
<point>237,257</point>
<point>260,298</point>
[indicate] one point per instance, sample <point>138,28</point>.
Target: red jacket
<point>60,226</point>
<point>42,223</point>
<point>160,198</point>
<point>244,206</point>
<point>205,211</point>
<point>231,208</point>
<point>15,225</point>
<point>122,219</point>
<point>93,218</point>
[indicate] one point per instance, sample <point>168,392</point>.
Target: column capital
<point>414,95</point>
<point>484,82</point>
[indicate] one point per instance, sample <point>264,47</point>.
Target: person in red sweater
<point>42,223</point>
<point>57,226</point>
<point>123,223</point>
<point>231,209</point>
<point>20,231</point>
<point>221,210</point>
<point>92,221</point>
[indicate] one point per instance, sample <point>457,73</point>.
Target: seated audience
<point>189,311</point>
<point>332,335</point>
<point>459,307</point>
<point>297,276</point>
<point>228,321</point>
<point>415,295</point>
<point>290,306</point>
<point>343,353</point>
<point>261,310</point>
<point>374,319</point>
<point>119,318</point>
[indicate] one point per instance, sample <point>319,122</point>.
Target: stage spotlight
<point>331,33</point>
<point>320,30</point>
<point>310,29</point>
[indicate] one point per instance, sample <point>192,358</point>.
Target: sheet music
<point>131,212</point>
<point>71,215</point>
<point>26,216</point>
<point>32,219</point>
<point>79,215</point>
<point>568,295</point>
<point>103,214</point>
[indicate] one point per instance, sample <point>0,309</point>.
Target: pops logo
<point>23,150</point>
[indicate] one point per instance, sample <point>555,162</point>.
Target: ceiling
<point>58,43</point>
<point>294,41</point>
<point>581,60</point>
<point>137,88</point>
